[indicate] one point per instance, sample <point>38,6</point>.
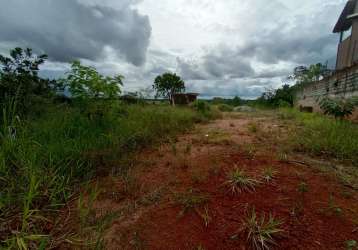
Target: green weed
<point>261,232</point>
<point>238,181</point>
<point>269,174</point>
<point>191,200</point>
<point>322,135</point>
<point>46,156</point>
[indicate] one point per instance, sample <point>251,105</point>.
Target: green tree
<point>167,85</point>
<point>304,75</point>
<point>86,82</point>
<point>19,76</point>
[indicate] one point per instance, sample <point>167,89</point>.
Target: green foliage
<point>306,75</point>
<point>302,187</point>
<point>261,232</point>
<point>339,108</point>
<point>191,200</point>
<point>283,96</point>
<point>206,111</point>
<point>269,174</point>
<point>225,108</point>
<point>236,101</point>
<point>201,106</point>
<point>321,135</point>
<point>19,78</point>
<point>51,154</point>
<point>86,82</point>
<point>351,245</point>
<point>239,181</point>
<point>167,85</point>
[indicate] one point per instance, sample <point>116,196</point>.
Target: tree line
<point>20,81</point>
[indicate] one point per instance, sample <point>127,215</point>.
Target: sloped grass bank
<point>44,161</point>
<point>322,135</point>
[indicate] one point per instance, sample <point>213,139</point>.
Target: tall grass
<point>323,135</point>
<point>45,158</point>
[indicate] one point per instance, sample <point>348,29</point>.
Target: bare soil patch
<point>176,197</point>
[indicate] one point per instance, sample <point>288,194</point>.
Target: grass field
<point>322,135</point>
<point>60,147</point>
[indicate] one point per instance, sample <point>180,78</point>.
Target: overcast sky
<point>220,48</point>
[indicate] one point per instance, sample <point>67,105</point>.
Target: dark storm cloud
<point>68,29</point>
<point>295,40</point>
<point>222,63</point>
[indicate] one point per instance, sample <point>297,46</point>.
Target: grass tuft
<point>261,231</point>
<point>269,174</point>
<point>239,181</point>
<point>191,200</point>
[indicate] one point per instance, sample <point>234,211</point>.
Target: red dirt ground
<point>152,218</point>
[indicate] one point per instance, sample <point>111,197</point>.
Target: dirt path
<point>176,198</point>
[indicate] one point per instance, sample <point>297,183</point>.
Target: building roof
<point>193,94</point>
<point>345,20</point>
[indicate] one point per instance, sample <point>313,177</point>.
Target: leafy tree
<point>86,82</point>
<point>305,75</point>
<point>19,76</point>
<point>283,96</point>
<point>167,85</point>
<point>237,101</point>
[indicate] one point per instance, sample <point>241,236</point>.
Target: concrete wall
<point>343,84</point>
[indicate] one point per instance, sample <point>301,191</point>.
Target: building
<point>185,98</point>
<point>343,82</point>
<point>347,27</point>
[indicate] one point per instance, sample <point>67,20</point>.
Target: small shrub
<point>302,187</point>
<point>253,127</point>
<point>239,181</point>
<point>269,174</point>
<point>261,232</point>
<point>191,200</point>
<point>225,108</point>
<point>339,108</point>
<point>201,106</point>
<point>351,245</point>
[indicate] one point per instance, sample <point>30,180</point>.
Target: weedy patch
<point>351,245</point>
<point>218,138</point>
<point>131,185</point>
<point>332,207</point>
<point>238,182</point>
<point>191,200</point>
<point>261,231</point>
<point>269,174</point>
<point>250,150</point>
<point>253,127</point>
<point>302,188</point>
<point>85,206</point>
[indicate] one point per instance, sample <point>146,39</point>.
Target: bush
<point>339,108</point>
<point>206,112</point>
<point>201,106</point>
<point>225,108</point>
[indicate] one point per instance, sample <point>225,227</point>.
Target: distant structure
<point>343,82</point>
<point>185,98</point>
<point>347,27</point>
